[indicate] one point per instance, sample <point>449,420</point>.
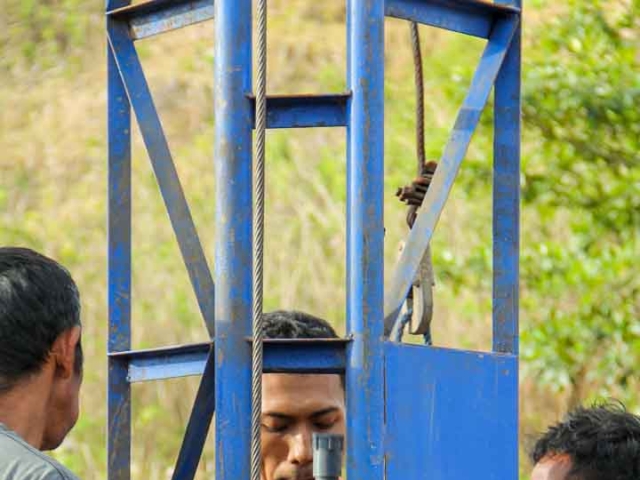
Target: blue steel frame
<point>226,357</point>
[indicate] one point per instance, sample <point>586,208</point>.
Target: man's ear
<point>63,352</point>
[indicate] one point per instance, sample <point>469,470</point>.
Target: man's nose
<point>300,449</point>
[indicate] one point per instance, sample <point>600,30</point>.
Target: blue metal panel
<point>199,424</point>
<point>452,416</point>
<point>280,356</point>
<point>119,273</point>
<point>233,261</point>
<point>303,111</point>
<point>506,199</point>
<point>164,169</point>
<point>365,232</point>
<point>456,148</point>
<point>159,16</point>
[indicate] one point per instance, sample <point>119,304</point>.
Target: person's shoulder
<point>19,460</point>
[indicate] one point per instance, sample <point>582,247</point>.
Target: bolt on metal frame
<point>467,401</point>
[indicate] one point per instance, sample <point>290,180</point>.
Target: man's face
<point>293,408</point>
<point>552,467</point>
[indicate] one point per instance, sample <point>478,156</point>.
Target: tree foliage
<point>581,288</point>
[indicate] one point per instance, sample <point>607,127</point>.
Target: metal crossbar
<point>471,17</point>
<point>281,356</point>
<point>160,16</point>
<point>377,386</point>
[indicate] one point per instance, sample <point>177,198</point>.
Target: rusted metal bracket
<point>419,303</point>
<point>422,288</point>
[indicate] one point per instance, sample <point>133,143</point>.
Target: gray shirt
<point>20,461</point>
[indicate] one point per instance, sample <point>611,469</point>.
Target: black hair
<point>603,443</point>
<point>294,324</point>
<point>38,301</point>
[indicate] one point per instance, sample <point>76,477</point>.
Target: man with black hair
<point>598,443</point>
<point>40,363</point>
<point>295,406</point>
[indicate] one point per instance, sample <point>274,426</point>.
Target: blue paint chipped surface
<point>476,386</point>
<point>455,416</point>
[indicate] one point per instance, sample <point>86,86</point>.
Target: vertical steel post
<point>506,225</point>
<point>365,172</point>
<point>506,197</point>
<point>119,273</point>
<point>233,257</point>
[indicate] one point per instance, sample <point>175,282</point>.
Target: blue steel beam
<point>506,198</point>
<point>159,16</point>
<point>436,197</point>
<point>164,169</point>
<point>365,239</point>
<point>162,363</point>
<point>471,17</point>
<point>199,424</point>
<point>119,273</point>
<point>281,356</point>
<point>305,356</point>
<point>303,111</point>
<point>233,259</point>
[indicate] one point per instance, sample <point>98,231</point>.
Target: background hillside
<point>580,288</point>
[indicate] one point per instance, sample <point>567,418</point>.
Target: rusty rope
<point>414,193</point>
<point>418,78</point>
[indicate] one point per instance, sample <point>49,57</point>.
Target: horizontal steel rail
<point>471,17</point>
<point>280,356</point>
<point>304,111</point>
<point>159,16</point>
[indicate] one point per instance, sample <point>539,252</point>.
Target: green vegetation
<point>585,329</point>
<point>580,291</point>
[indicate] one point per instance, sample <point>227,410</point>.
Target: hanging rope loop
<point>419,303</point>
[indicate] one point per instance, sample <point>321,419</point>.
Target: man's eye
<point>275,428</point>
<point>324,425</point>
